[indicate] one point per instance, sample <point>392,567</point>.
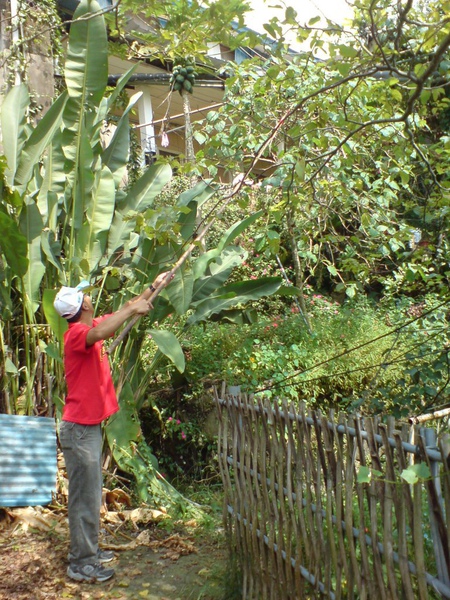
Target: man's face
<point>87,303</point>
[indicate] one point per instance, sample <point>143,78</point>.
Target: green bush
<point>355,358</point>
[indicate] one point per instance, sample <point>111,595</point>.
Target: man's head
<point>68,302</point>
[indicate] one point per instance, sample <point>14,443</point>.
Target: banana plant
<point>65,216</point>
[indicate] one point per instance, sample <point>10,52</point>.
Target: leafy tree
<point>351,144</point>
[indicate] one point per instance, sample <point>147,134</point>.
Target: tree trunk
<point>298,271</point>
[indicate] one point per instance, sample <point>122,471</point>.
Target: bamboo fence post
<point>413,508</point>
<point>342,445</point>
<point>329,489</point>
<point>353,578</point>
<point>239,500</point>
<point>265,519</point>
<point>259,525</point>
<point>305,448</point>
<point>398,500</point>
<point>274,427</point>
<point>444,445</point>
<point>271,511</point>
<point>427,439</point>
<point>372,508</point>
<point>291,463</point>
<point>362,576</point>
<point>286,523</point>
<point>304,551</point>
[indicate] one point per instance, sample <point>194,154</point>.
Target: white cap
<point>69,300</point>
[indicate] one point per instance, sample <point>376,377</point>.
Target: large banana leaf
<point>169,345</point>
<point>233,294</point>
<point>14,245</point>
<point>220,268</point>
<point>51,248</point>
<point>57,324</point>
<point>86,67</point>
<point>31,226</point>
<point>180,291</point>
<point>138,199</point>
<point>237,228</point>
<point>123,427</point>
<point>200,193</point>
<point>13,121</point>
<point>107,103</point>
<point>100,210</point>
<point>38,141</point>
<point>53,184</point>
<point>117,152</point>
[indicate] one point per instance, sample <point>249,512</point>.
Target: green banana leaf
<point>138,199</point>
<point>123,427</point>
<point>220,268</point>
<point>57,324</point>
<point>108,103</point>
<point>13,245</point>
<point>51,249</point>
<point>13,121</point>
<point>233,294</point>
<point>38,141</point>
<point>86,67</point>
<point>100,212</point>
<point>53,184</point>
<point>116,155</point>
<point>188,220</point>
<point>179,291</point>
<point>200,193</point>
<point>31,226</point>
<point>237,228</point>
<point>169,345</point>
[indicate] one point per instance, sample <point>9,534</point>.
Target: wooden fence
<point>301,523</point>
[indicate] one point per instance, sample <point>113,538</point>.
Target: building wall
<point>37,70</point>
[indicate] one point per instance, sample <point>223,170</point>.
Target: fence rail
<point>302,524</point>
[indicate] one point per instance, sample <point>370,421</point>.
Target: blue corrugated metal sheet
<point>27,460</point>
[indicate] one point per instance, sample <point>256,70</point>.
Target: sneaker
<point>103,556</point>
<point>95,572</point>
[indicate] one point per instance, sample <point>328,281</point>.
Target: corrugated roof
<point>28,464</point>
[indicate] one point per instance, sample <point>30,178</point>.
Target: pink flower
<point>183,435</point>
<point>170,419</point>
<point>178,421</point>
<point>274,324</point>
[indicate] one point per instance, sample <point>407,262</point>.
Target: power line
<point>358,347</point>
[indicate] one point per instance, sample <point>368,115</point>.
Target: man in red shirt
<point>90,399</point>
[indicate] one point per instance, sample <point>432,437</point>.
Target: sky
<point>337,10</point>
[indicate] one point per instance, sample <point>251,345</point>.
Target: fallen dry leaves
<point>34,543</point>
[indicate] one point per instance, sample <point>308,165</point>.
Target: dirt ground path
<point>181,565</point>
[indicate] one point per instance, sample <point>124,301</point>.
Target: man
<point>90,400</point>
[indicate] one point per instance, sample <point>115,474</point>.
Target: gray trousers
<point>82,448</point>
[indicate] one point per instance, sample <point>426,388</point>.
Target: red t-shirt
<point>91,396</point>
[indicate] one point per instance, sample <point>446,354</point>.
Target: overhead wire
<point>355,348</point>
